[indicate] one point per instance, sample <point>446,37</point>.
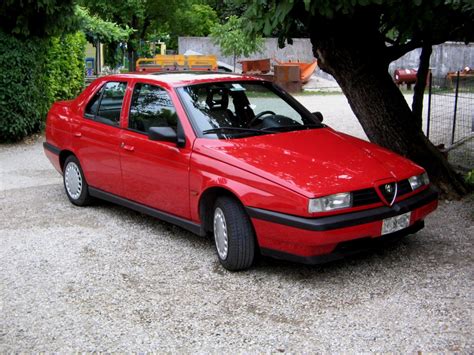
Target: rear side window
<point>151,106</point>
<point>93,105</point>
<point>106,105</point>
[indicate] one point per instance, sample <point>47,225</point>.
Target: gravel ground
<point>105,278</point>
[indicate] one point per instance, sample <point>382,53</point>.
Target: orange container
<point>255,66</point>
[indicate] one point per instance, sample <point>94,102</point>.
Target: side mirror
<point>318,115</point>
<point>163,134</point>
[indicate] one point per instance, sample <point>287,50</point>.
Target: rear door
<point>154,173</point>
<point>97,138</point>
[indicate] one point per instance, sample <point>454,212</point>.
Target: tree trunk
<point>354,53</point>
<point>131,54</point>
<point>132,44</point>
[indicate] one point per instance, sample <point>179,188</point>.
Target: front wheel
<point>75,184</point>
<point>233,235</point>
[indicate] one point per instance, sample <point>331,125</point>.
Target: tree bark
<point>131,54</point>
<point>353,51</point>
<point>131,44</point>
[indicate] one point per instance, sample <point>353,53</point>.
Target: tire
<point>75,184</point>
<point>234,236</point>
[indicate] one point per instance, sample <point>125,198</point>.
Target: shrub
<point>65,66</point>
<point>23,97</point>
<point>34,73</point>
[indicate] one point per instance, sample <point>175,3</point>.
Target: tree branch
<point>396,51</point>
<point>419,90</point>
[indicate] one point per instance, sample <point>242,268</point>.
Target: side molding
<point>53,149</point>
<point>181,222</point>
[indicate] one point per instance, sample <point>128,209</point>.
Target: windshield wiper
<point>290,128</point>
<point>241,129</point>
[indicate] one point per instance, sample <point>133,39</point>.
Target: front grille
<point>369,196</point>
<point>364,197</point>
<point>388,195</point>
<point>404,187</point>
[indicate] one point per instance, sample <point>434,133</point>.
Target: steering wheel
<point>257,117</point>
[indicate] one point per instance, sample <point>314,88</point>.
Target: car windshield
<point>227,110</point>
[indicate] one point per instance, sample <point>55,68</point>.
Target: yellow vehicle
<point>160,63</point>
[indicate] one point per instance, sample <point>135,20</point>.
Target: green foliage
<point>40,18</point>
<point>147,17</point>
<point>46,18</point>
<point>97,29</point>
<point>33,73</point>
<point>188,19</point>
<point>137,15</point>
<point>227,8</point>
<point>233,40</point>
<point>42,58</point>
<point>65,67</point>
<point>124,12</point>
<point>399,21</point>
<point>23,98</point>
<point>198,20</point>
<point>470,178</point>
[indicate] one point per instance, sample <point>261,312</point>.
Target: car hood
<point>312,162</point>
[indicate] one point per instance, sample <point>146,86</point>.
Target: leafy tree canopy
<point>42,18</point>
<point>185,18</point>
<point>233,40</point>
<point>404,25</point>
<point>155,19</point>
<point>97,29</point>
<point>227,8</point>
<point>197,20</point>
<point>47,18</point>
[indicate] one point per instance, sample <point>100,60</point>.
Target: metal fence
<point>451,117</point>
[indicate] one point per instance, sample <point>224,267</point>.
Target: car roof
<point>177,79</point>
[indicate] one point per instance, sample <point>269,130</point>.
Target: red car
<point>237,157</point>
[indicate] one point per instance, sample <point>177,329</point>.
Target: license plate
<point>396,223</point>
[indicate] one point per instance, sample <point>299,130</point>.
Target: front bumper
<point>307,239</point>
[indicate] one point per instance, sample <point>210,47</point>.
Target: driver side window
<point>151,106</point>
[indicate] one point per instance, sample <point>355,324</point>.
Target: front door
<point>154,173</point>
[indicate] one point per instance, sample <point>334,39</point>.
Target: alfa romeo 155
<point>234,157</point>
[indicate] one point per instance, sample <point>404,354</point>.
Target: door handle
<point>78,134</point>
<point>130,148</point>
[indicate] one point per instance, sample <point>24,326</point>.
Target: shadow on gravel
<point>393,254</point>
<point>156,225</point>
<point>387,251</point>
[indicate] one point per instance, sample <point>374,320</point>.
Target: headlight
<point>418,181</point>
<point>330,203</point>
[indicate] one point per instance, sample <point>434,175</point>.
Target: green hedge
<point>23,102</point>
<point>65,66</point>
<point>34,73</point>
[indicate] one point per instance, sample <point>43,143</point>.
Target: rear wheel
<point>233,235</point>
<point>75,184</point>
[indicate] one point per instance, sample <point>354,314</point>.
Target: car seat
<point>218,101</point>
